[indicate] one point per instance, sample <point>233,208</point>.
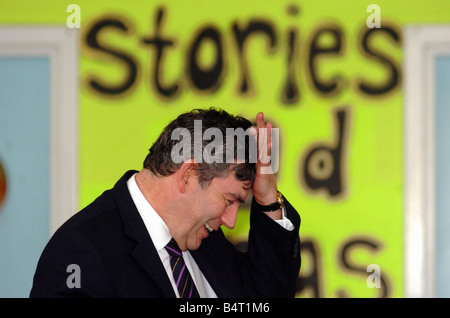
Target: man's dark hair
<point>160,161</point>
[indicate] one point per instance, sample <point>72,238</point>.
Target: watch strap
<point>273,206</point>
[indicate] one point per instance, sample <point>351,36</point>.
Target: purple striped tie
<point>183,279</point>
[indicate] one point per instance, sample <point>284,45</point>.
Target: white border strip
<point>60,45</point>
<point>422,45</point>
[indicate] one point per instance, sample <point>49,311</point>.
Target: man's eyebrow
<point>236,196</point>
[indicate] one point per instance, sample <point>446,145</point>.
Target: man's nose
<point>230,215</point>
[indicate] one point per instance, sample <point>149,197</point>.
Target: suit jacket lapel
<point>144,252</point>
<point>214,265</point>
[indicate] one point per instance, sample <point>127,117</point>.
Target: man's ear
<point>186,175</point>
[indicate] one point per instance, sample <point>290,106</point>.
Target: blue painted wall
<point>443,176</point>
<point>24,154</point>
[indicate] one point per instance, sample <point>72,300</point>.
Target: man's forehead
<point>232,179</point>
<point>231,184</point>
<point>237,196</point>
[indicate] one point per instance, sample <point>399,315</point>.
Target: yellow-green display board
<point>328,74</point>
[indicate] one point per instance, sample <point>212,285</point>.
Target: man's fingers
<point>269,137</point>
<point>264,140</point>
<point>260,120</point>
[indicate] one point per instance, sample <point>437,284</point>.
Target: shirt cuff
<point>285,222</point>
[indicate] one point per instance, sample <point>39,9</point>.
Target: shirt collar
<point>156,227</point>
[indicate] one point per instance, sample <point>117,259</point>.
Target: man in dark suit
<point>157,233</point>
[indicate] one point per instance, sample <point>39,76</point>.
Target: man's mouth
<point>209,228</point>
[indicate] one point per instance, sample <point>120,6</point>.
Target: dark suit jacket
<point>116,257</point>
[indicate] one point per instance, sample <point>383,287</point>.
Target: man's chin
<point>193,247</point>
<point>202,234</point>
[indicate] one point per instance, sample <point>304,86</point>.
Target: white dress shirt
<point>160,235</point>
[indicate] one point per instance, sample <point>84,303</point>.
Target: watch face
<point>280,198</point>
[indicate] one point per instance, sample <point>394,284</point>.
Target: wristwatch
<point>278,204</point>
